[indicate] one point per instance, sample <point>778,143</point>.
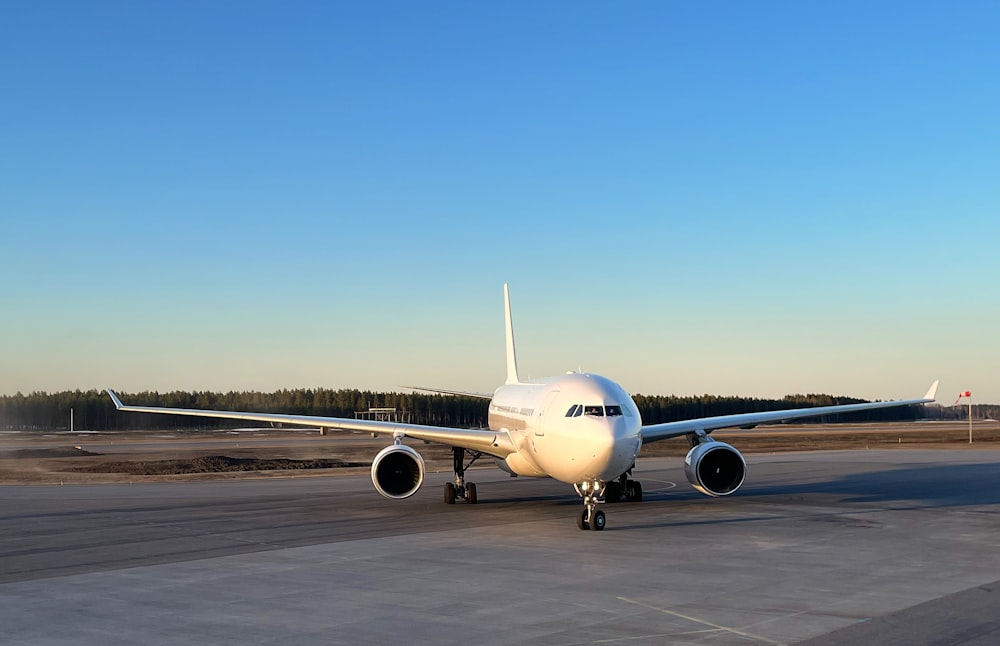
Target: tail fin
<point>511,354</point>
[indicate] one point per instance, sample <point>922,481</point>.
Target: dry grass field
<point>54,458</point>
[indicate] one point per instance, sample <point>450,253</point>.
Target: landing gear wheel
<point>612,492</point>
<point>449,494</point>
<point>581,520</point>
<point>470,493</point>
<point>633,491</point>
<point>597,520</point>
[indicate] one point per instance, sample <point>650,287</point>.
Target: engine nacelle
<point>397,471</point>
<point>715,468</point>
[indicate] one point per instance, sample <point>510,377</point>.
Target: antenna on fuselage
<point>509,326</point>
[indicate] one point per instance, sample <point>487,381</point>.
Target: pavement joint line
<point>618,640</point>
<point>798,613</point>
<point>703,622</point>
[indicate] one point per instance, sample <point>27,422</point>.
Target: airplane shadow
<point>918,486</point>
<point>904,488</point>
<point>907,488</point>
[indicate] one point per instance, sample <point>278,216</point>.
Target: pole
<point>970,419</point>
<point>70,420</point>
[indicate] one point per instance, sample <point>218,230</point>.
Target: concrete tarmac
<point>845,547</point>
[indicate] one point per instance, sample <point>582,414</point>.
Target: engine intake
<point>397,471</point>
<point>715,468</point>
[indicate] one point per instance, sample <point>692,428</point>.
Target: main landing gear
<point>460,489</point>
<point>623,489</point>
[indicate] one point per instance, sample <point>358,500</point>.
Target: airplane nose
<point>603,440</point>
<point>604,448</point>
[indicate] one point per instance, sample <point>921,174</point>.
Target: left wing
<point>657,432</point>
<point>497,443</point>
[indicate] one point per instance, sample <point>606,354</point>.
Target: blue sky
<point>715,197</point>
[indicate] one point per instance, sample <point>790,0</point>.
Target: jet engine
<point>397,471</point>
<point>715,468</point>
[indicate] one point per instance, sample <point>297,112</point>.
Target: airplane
<point>581,429</point>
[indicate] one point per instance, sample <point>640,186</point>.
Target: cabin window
<point>596,411</point>
<point>613,411</point>
<point>572,412</point>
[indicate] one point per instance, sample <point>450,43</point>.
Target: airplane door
<point>546,405</point>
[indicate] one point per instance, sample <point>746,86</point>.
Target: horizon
<point>403,390</point>
<point>761,199</point>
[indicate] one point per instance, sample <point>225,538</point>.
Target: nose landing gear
<point>590,517</point>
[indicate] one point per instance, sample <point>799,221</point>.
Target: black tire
<point>597,520</point>
<point>633,491</point>
<point>612,492</point>
<point>449,494</point>
<point>470,493</point>
<point>581,520</point>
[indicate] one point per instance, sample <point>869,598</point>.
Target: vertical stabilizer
<point>511,354</point>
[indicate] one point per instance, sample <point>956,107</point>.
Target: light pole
<point>970,417</point>
<point>967,394</point>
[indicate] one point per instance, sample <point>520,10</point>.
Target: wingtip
<point>932,391</point>
<point>114,398</point>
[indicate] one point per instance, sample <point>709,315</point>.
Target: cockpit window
<point>597,411</point>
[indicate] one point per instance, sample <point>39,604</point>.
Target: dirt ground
<point>69,458</point>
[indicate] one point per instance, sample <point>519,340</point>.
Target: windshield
<point>577,410</point>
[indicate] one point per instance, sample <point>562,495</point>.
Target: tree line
<point>93,410</point>
<point>960,412</point>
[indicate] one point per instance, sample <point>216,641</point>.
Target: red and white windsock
<point>961,395</point>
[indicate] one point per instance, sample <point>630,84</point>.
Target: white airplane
<point>578,428</point>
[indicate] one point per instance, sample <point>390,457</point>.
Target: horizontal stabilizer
<point>442,391</point>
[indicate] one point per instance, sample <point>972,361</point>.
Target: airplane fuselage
<point>575,427</point>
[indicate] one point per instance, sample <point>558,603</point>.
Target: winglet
<point>932,392</point>
<point>511,354</point>
<point>114,398</point>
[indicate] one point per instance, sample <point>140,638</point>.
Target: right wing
<point>657,432</point>
<point>497,443</point>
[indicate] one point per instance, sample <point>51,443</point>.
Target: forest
<point>93,410</point>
